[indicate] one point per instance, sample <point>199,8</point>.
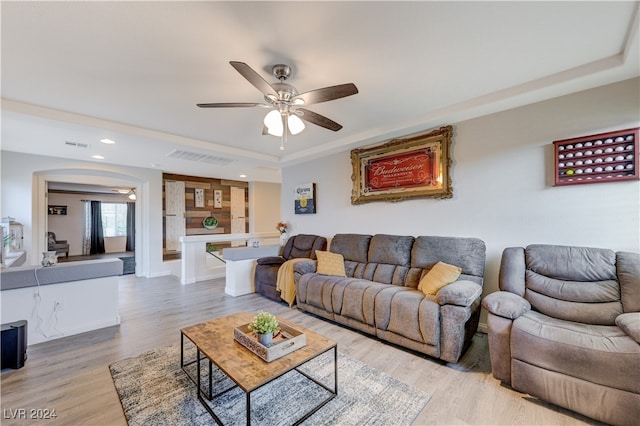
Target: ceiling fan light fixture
<point>295,124</point>
<point>273,121</point>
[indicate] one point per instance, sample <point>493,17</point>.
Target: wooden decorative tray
<point>288,340</point>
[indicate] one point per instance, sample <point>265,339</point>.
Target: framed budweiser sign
<point>414,167</point>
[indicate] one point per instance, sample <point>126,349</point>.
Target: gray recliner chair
<point>565,328</point>
<point>59,246</point>
<point>266,274</point>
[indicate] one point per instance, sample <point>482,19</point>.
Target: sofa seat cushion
<point>348,297</point>
<point>409,313</point>
<point>600,354</point>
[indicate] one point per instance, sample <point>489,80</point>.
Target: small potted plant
<point>210,222</point>
<point>265,325</point>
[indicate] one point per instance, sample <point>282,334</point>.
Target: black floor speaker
<point>14,344</point>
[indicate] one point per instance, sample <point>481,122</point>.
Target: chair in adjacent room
<point>298,246</point>
<point>59,246</point>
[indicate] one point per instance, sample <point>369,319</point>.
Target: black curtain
<point>131,226</point>
<point>97,235</point>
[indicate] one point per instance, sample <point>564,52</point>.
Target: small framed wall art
<point>305,199</point>
<point>58,210</point>
<point>603,157</point>
<point>217,198</point>
<point>199,197</point>
<point>414,167</point>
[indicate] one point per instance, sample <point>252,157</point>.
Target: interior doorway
<point>72,231</point>
<point>40,213</point>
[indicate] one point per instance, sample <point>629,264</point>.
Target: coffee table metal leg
<point>332,393</point>
<point>248,408</point>
<point>200,392</point>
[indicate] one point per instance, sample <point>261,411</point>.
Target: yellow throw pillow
<point>439,276</point>
<point>330,263</point>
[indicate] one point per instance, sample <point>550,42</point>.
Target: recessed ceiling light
<point>107,141</point>
<point>98,157</point>
<point>243,176</point>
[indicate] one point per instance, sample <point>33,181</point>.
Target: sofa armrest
<point>630,324</point>
<point>271,260</point>
<point>304,267</point>
<point>460,293</point>
<point>506,305</point>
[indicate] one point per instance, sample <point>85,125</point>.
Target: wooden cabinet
<point>604,157</point>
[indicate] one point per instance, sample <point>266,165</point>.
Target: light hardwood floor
<point>71,375</point>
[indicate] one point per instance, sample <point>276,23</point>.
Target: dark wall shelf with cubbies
<point>605,157</point>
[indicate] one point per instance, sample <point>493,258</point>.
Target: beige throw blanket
<point>285,282</point>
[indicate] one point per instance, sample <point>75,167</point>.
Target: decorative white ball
<point>608,168</point>
<point>619,139</point>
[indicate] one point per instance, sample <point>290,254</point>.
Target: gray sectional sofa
<point>565,328</point>
<point>379,294</point>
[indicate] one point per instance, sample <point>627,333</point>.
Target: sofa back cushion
<point>628,268</point>
<point>573,283</point>
<point>388,259</point>
<point>303,245</point>
<point>354,248</point>
<point>467,253</point>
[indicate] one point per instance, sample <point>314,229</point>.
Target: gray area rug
<point>154,390</point>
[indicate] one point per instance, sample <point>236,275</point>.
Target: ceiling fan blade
<point>319,120</point>
<point>254,78</point>
<point>327,93</point>
<point>229,105</point>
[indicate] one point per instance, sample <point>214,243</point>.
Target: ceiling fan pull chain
<point>285,130</point>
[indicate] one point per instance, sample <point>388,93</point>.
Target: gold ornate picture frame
<point>401,169</point>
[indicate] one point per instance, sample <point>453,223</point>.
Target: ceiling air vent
<point>202,158</point>
<point>77,144</point>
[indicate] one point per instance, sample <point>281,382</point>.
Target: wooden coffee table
<point>214,342</point>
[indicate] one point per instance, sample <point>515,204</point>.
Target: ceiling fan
<point>287,103</point>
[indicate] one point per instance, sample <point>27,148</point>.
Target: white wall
<point>502,177</point>
<point>264,206</point>
<point>86,305</point>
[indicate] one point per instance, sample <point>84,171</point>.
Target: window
<point>114,219</point>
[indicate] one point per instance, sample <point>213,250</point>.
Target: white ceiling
<point>133,72</point>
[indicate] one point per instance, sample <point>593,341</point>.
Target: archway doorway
<point>86,177</point>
